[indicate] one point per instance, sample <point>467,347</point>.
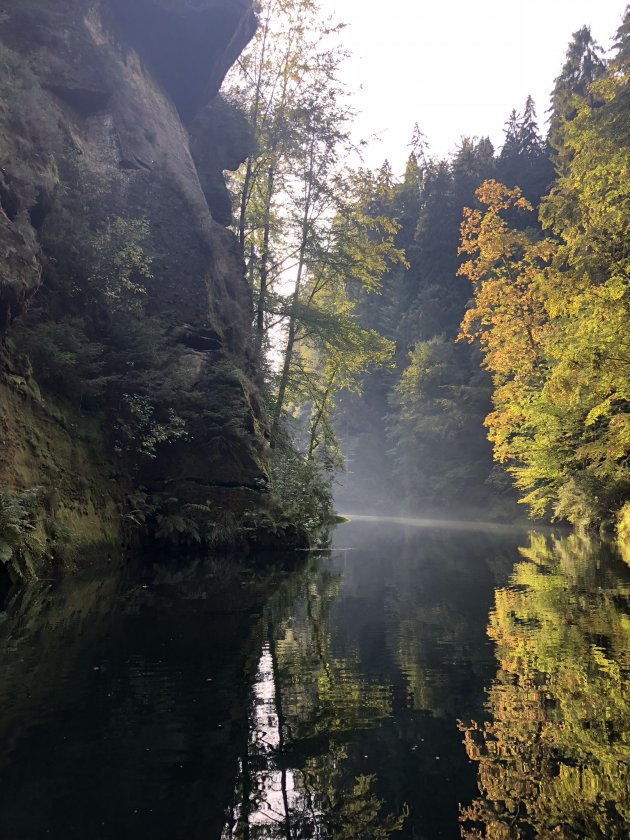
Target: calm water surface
<point>418,681</point>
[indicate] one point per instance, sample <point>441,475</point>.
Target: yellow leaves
<point>616,289</point>
<point>487,235</point>
<point>508,314</point>
<point>600,410</point>
<point>551,317</point>
<point>497,196</point>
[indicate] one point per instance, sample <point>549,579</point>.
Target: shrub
<point>19,545</point>
<point>302,488</point>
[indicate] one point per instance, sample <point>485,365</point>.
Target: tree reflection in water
<point>366,662</point>
<point>553,760</point>
<point>292,780</point>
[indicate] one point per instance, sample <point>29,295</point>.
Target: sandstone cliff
<point>128,382</point>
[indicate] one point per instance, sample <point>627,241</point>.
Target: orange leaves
<point>508,312</point>
<point>497,196</point>
<point>487,235</point>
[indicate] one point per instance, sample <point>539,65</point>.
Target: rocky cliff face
<point>127,368</point>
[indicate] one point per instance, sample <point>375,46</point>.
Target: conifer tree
<point>524,159</point>
<point>530,142</point>
<point>583,65</point>
<point>512,142</point>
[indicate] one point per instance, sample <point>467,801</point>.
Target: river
<point>419,680</point>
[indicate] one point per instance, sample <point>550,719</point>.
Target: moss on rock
<point>99,100</point>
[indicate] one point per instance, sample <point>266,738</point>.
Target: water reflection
<point>122,703</point>
<point>423,681</point>
<point>374,657</point>
<point>553,760</point>
<point>368,661</point>
<point>292,782</point>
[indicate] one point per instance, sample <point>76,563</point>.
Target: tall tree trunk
<point>264,261</point>
<point>286,369</point>
<point>293,323</point>
<point>318,418</point>
<point>242,218</point>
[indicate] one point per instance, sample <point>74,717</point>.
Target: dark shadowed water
<point>419,681</point>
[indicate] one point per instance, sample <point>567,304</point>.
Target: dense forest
<point>458,334</point>
<point>199,365</point>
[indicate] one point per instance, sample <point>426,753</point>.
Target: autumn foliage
<point>551,316</point>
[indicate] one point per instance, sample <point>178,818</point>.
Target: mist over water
<point>436,523</point>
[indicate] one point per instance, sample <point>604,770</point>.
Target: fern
<point>19,545</point>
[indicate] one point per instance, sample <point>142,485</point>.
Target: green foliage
<point>428,413</point>
<point>583,65</point>
<point>552,317</point>
<point>193,525</point>
<point>119,264</point>
<point>89,338</point>
<point>437,425</point>
<point>302,487</point>
<point>549,314</point>
<point>275,530</point>
<point>139,430</point>
<point>64,357</point>
<point>19,545</point>
<point>188,523</point>
<point>311,236</point>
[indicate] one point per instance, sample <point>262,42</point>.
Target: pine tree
<point>583,66</point>
<point>621,62</point>
<point>524,159</point>
<point>512,143</point>
<point>530,141</point>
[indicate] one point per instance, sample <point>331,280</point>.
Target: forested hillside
<point>511,318</point>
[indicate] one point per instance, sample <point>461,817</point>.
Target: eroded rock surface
<point>103,99</point>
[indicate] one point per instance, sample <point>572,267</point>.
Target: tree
<point>282,82</point>
<point>530,141</point>
<point>307,225</point>
<point>349,252</point>
<point>509,319</point>
<point>428,411</point>
<point>436,424</point>
<point>512,131</point>
<point>551,317</point>
<point>507,315</point>
<point>583,65</point>
<point>588,210</point>
<point>524,159</point>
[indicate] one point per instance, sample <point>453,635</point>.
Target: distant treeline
<point>511,318</point>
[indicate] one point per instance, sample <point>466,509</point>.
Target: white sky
<point>456,67</point>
